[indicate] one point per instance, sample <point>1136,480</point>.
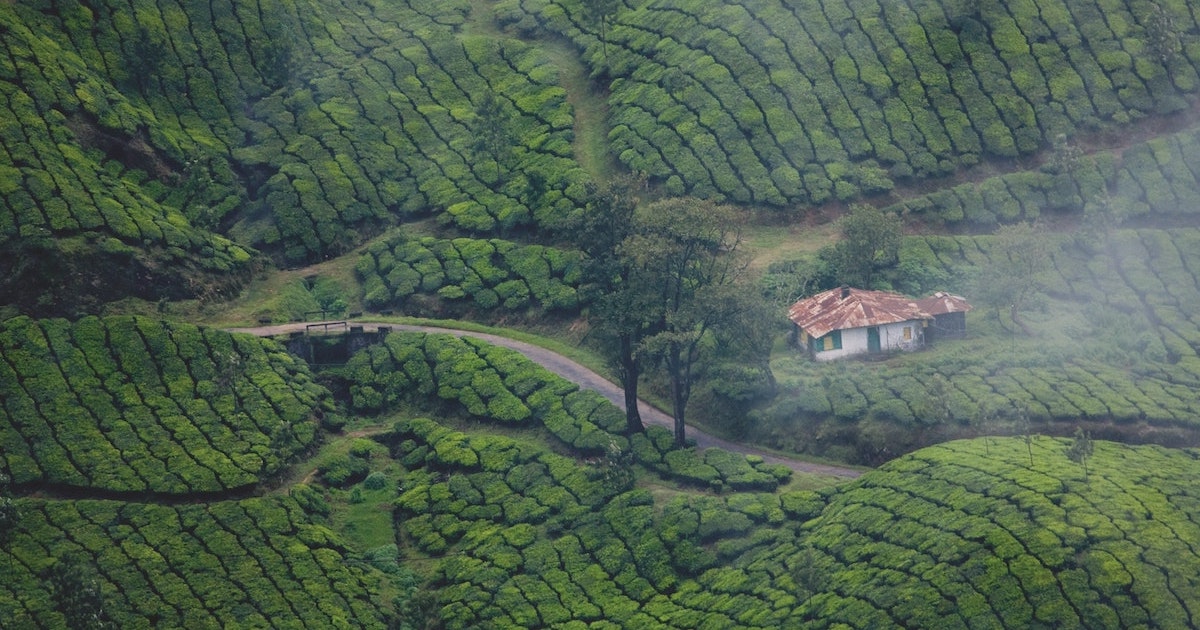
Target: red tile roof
<point>843,308</point>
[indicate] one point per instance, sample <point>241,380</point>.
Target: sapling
<point>1081,449</point>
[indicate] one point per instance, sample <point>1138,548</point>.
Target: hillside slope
<point>125,405</point>
<point>995,534</point>
<point>528,516</point>
<point>964,535</point>
<point>150,152</point>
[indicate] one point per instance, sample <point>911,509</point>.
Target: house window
<point>832,341</point>
<point>908,333</point>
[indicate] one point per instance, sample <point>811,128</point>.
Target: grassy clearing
<point>769,243</point>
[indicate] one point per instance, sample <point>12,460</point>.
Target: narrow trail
<point>589,102</point>
<point>585,378</point>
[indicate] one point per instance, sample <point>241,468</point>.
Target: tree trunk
<point>1015,313</point>
<point>678,398</point>
<point>630,371</point>
<point>680,427</point>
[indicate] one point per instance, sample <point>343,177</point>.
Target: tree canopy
<point>685,253</point>
<point>870,242</point>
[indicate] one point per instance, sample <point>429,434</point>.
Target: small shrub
<point>377,480</point>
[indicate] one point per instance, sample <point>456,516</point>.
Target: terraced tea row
<point>529,538</point>
<point>253,563</point>
<point>500,385</point>
<point>490,273</point>
<point>129,404</point>
<point>394,136</point>
<point>772,103</point>
<point>301,123</point>
<point>83,156</point>
<point>1148,181</point>
<point>1001,535</point>
<point>995,533</point>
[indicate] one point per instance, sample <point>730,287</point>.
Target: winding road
<point>580,375</point>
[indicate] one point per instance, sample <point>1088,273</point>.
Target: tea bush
<point>131,404</point>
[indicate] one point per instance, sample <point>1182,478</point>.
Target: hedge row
<point>779,103</point>
<point>490,273</point>
<point>73,161</point>
<point>1005,535</point>
<point>130,404</point>
<point>1151,178</point>
<point>300,122</point>
<point>252,563</point>
<point>394,136</point>
<point>528,538</point>
<point>501,385</point>
<point>1021,196</point>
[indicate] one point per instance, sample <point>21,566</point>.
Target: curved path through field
<point>584,377</point>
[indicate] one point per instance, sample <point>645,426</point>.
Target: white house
<point>843,322</point>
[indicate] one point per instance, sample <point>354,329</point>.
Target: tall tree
<point>1081,449</point>
<point>870,242</point>
<point>9,515</point>
<point>494,132</point>
<point>1020,255</point>
<point>685,255</point>
<point>145,57</point>
<point>1162,34</point>
<point>76,593</point>
<point>615,311</point>
<point>599,13</point>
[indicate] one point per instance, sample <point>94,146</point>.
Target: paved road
<point>584,377</point>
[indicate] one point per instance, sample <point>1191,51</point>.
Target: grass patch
<point>769,243</point>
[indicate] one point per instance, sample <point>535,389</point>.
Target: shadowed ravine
<point>586,378</point>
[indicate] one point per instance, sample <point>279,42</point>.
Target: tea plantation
<point>488,273</point>
<point>993,533</point>
<point>132,405</point>
<point>519,532</point>
<point>253,563</point>
<point>174,161</point>
<point>998,533</point>
<point>778,103</point>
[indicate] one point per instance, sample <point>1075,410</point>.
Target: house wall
<point>947,326</point>
<point>891,337</point>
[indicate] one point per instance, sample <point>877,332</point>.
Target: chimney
<point>845,291</point>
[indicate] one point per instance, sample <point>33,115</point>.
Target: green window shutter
<point>837,339</point>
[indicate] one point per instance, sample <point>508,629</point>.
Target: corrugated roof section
<point>941,303</point>
<point>843,308</point>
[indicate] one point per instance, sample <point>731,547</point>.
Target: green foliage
<point>259,562</point>
<point>870,242</point>
<point>776,104</point>
<point>343,470</point>
<point>130,404</point>
<point>1073,367</point>
<point>178,122</point>
<point>536,538</point>
<point>501,385</point>
<point>377,480</point>
<point>491,272</point>
<point>1146,178</point>
<point>76,594</point>
<point>1013,544</point>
